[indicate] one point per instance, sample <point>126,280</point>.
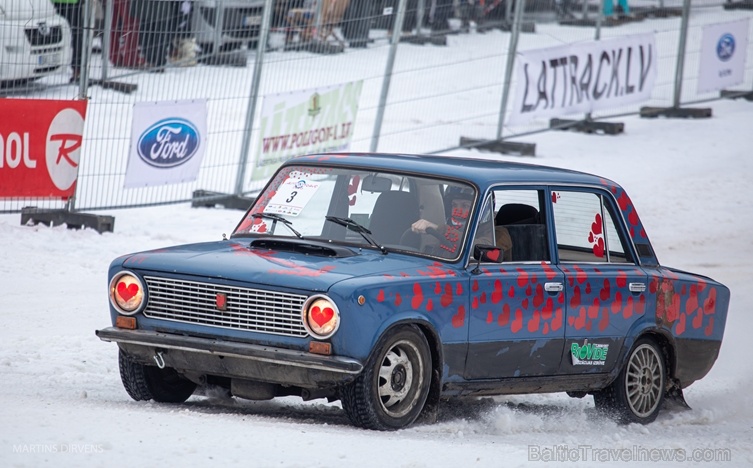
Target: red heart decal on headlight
<point>322,316</point>
<point>127,292</point>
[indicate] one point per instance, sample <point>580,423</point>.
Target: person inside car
<point>450,233</point>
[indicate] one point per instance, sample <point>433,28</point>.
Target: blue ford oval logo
<point>169,143</point>
<point>725,48</point>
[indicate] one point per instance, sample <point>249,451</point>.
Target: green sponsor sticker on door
<point>589,354</point>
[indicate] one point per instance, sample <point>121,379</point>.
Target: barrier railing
<point>416,96</point>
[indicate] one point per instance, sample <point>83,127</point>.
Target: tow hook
<point>159,360</point>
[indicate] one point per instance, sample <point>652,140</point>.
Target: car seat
<point>528,235</point>
<point>393,214</point>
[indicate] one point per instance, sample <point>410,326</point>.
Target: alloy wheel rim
<point>644,381</point>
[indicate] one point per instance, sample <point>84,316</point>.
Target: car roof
<point>483,172</point>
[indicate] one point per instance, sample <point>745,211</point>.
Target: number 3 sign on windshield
<point>291,197</point>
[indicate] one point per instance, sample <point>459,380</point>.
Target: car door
<point>516,324</point>
<point>605,286</point>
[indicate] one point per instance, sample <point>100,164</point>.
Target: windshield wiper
<point>279,218</point>
<point>355,227</point>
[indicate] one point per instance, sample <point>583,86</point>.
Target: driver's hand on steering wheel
<point>422,225</point>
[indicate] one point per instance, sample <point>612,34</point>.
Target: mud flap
<point>674,400</point>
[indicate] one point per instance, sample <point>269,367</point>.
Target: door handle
<point>637,287</point>
<point>553,287</point>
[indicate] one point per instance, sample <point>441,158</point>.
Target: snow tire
<point>152,383</point>
<point>637,394</point>
<point>391,391</point>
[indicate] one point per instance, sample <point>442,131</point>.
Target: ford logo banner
<point>725,48</point>
<point>169,143</point>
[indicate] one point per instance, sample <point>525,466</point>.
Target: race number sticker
<point>291,197</point>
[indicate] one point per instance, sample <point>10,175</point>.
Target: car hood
<point>282,264</point>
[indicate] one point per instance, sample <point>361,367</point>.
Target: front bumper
<point>235,360</point>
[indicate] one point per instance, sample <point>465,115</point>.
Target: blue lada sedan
<point>393,282</point>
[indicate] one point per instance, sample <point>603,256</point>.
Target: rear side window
<point>586,229</point>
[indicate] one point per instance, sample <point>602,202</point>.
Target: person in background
<point>72,11</point>
<point>183,48</point>
<point>471,12</point>
<point>440,13</point>
<point>562,8</point>
<point>158,24</point>
<point>124,36</point>
<point>357,23</point>
<point>609,7</point>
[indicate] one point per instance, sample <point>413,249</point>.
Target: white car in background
<point>34,41</point>
<point>240,24</point>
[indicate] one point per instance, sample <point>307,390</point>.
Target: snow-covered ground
<point>62,402</point>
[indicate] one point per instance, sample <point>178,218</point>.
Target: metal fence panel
<point>438,93</point>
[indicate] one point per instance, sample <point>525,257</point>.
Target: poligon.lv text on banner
<point>304,122</point>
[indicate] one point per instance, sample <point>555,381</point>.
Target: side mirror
<point>486,253</point>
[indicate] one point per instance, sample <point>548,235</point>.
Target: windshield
<point>379,210</point>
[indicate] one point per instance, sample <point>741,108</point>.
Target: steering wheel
<point>442,239</point>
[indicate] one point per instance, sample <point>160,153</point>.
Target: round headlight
<point>320,317</point>
<point>126,293</point>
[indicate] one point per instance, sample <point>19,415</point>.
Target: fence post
<point>86,49</point>
<point>318,19</point>
<point>676,110</point>
<point>236,200</point>
<point>397,30</point>
<point>511,51</point>
<point>420,9</point>
<point>680,67</point>
<point>261,45</point>
<point>106,45</point>
<point>121,87</point>
<point>588,125</point>
<point>219,26</point>
<point>499,145</point>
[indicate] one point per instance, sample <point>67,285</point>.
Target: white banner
<point>303,122</point>
<point>723,53</point>
<point>581,78</point>
<point>168,140</point>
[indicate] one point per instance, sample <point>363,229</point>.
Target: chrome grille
<point>247,309</point>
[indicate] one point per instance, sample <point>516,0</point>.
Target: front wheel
<point>391,391</point>
<point>637,394</point>
<point>152,383</point>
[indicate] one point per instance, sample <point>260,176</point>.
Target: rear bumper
<point>233,359</point>
<point>695,358</point>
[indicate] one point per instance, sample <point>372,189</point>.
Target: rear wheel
<point>391,391</point>
<point>152,383</point>
<point>637,394</point>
